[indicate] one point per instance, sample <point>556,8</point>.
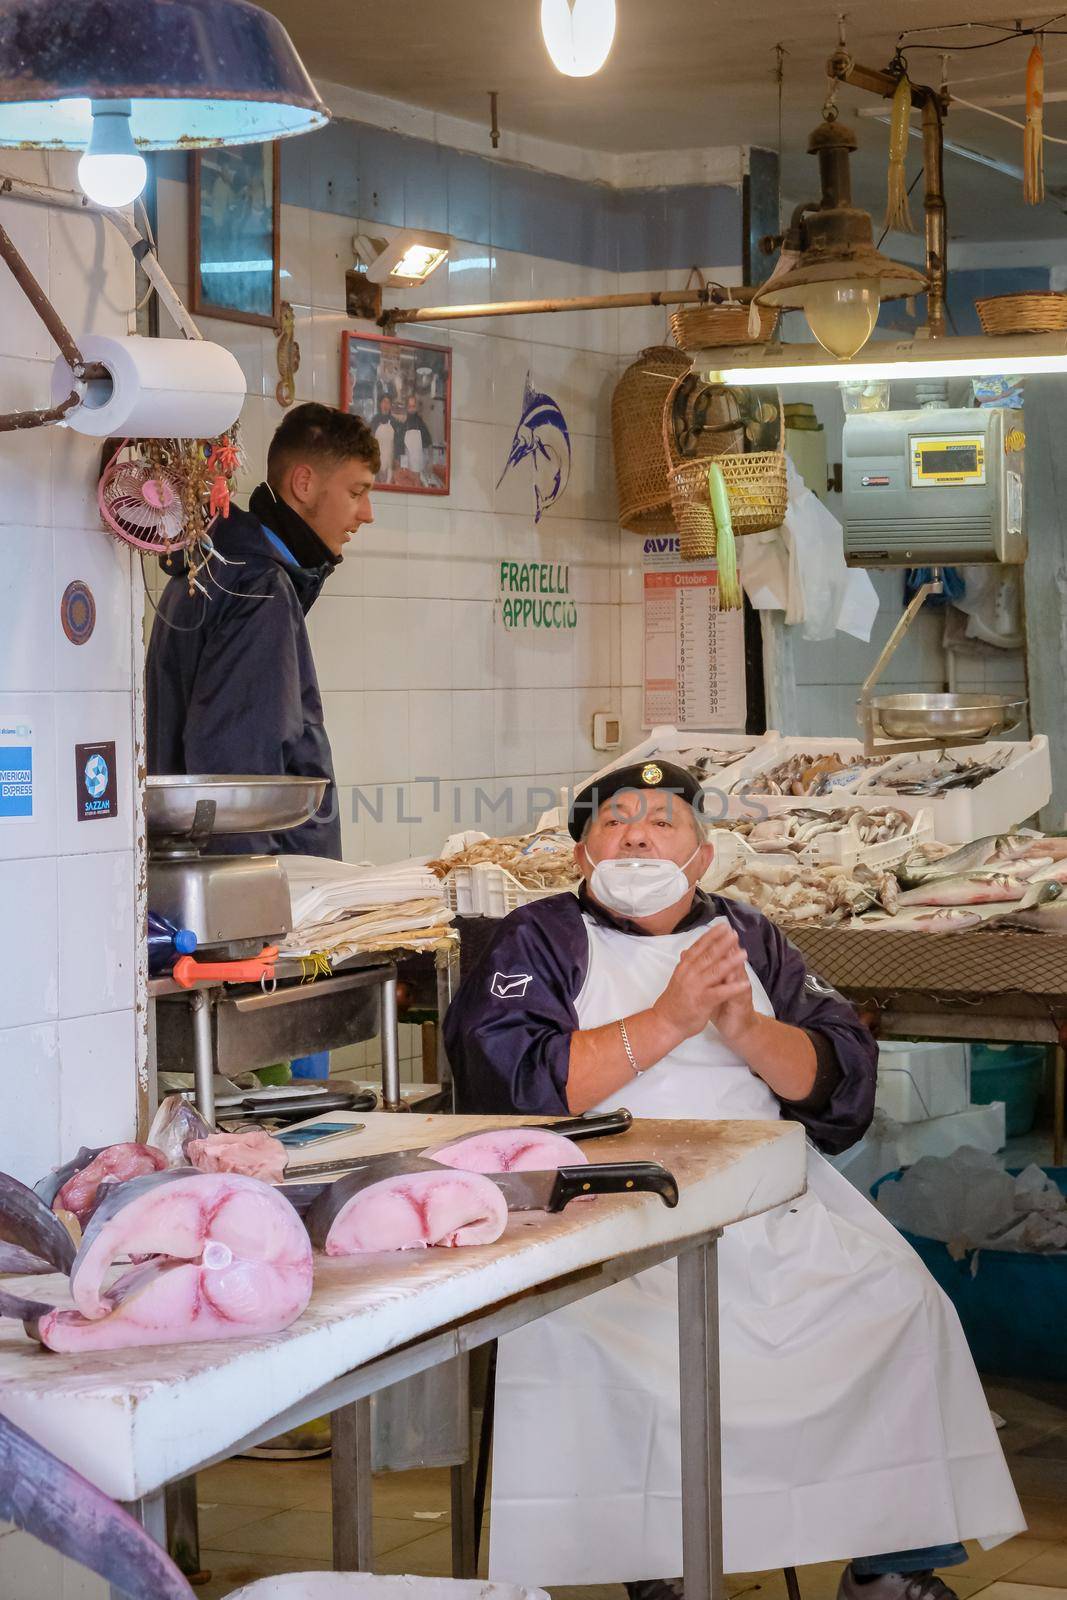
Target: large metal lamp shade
<point>193,73</point>
<point>839,278</point>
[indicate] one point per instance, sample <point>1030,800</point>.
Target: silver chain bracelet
<point>631,1058</point>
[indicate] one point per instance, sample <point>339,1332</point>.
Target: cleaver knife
<point>551,1191</point>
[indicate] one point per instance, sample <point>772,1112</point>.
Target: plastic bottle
<point>166,943</point>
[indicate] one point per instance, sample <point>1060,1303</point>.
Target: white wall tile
<point>344,716</point>
<point>332,254</point>
<point>474,473</point>
<point>105,660</point>
<point>386,748</point>
<point>515,731</point>
<point>472,732</point>
<point>472,376</point>
<point>428,643</point>
<point>436,718</point>
<point>386,661</point>
<point>98,1095</point>
<point>592,644</point>
<point>28,617</point>
<point>296,255</point>
<point>429,549</point>
<point>633,643</point>
<point>29,942</point>
<point>554,730</point>
<point>335,628</point>
<point>74,475</point>
<point>91,274</point>
<point>98,936</point>
<point>91,718</point>
<point>29,1084</point>
<point>24,332</point>
<point>382,548</point>
<point>473,639</point>
<point>474,557</point>
<point>25,477</point>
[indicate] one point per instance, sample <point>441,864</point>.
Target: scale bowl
<point>948,718</point>
<point>251,804</point>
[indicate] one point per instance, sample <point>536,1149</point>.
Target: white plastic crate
<point>666,741</point>
<point>846,848</point>
<point>369,1586</point>
<point>486,890</point>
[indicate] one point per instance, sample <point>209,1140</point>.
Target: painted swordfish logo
<point>543,437</point>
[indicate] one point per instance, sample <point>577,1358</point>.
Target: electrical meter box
<point>933,488</point>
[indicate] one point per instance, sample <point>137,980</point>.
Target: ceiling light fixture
<point>120,77</point>
<point>838,278</point>
<point>578,34</point>
<point>404,261</point>
<point>786,365</point>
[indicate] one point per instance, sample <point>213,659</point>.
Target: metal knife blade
<point>552,1190</point>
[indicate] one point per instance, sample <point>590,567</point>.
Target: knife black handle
<point>612,1177</point>
<point>594,1126</point>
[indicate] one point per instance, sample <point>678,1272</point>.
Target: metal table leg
<point>1059,1082</point>
<point>204,1059</point>
<point>698,1324</point>
<point>464,1549</point>
<point>183,1526</point>
<point>447,966</point>
<point>390,1044</point>
<point>151,1513</point>
<point>352,1488</point>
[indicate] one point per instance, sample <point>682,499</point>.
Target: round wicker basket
<point>704,327</point>
<point>1037,311</point>
<point>756,484</point>
<point>637,439</point>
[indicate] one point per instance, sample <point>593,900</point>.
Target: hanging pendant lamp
<point>115,78</point>
<point>839,278</point>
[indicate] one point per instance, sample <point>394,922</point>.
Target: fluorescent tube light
<point>785,365</point>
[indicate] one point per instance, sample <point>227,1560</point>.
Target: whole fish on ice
<point>543,437</point>
<point>968,889</point>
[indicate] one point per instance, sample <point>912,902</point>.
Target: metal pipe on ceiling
<point>589,302</point>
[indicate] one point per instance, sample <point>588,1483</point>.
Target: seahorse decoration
<point>542,435</point>
<point>288,357</point>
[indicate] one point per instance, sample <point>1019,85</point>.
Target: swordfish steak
<point>510,1150</point>
<point>221,1257</point>
<point>406,1204</point>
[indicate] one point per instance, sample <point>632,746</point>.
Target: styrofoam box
<point>1022,787</point>
<point>920,1081</point>
<point>1004,800</point>
<point>666,741</point>
<point>369,1586</point>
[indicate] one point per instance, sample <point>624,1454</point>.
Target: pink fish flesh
<point>253,1153</point>
<point>510,1150</point>
<point>222,1257</point>
<point>114,1164</point>
<point>407,1205</point>
<point>966,891</point>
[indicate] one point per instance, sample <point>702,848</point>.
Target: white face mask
<point>639,886</point>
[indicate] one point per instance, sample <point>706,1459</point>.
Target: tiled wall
<point>67,935</point>
<point>420,676</point>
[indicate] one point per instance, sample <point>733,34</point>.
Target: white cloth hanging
<point>853,1421</point>
<point>800,569</point>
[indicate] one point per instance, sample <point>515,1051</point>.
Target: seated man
<point>853,1420</point>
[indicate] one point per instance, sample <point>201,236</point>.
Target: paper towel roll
<point>156,389</point>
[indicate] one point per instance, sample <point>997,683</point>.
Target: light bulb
<point>842,313</point>
<point>578,34</point>
<point>111,171</point>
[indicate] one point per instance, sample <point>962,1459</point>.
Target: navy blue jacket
<point>510,1049</point>
<point>230,682</point>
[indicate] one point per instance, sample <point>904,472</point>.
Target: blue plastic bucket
<point>1013,1309</point>
<point>1013,1073</point>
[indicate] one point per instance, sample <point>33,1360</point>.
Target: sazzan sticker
<point>510,985</point>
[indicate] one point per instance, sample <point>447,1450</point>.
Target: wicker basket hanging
<point>704,327</point>
<point>637,439</point>
<point>755,483</point>
<point>1037,311</point>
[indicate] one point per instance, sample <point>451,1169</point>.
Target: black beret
<point>641,775</point>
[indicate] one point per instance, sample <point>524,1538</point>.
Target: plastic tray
<point>486,890</point>
<point>666,741</point>
<point>846,848</point>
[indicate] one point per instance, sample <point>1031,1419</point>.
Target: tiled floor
<point>259,1518</point>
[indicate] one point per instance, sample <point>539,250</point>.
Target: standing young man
<point>230,680</point>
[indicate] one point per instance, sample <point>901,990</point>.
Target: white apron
<point>853,1420</point>
<point>414,450</point>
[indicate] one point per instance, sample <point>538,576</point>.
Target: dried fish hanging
<point>1034,136</point>
<point>897,211</point>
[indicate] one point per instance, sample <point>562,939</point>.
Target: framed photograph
<point>403,391</point>
<point>235,210</point>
